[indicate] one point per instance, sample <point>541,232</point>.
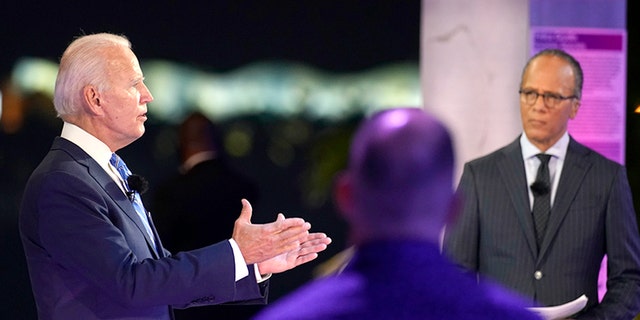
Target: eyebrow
<point>136,79</point>
<point>543,91</point>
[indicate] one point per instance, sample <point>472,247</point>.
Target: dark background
<point>332,35</point>
<point>329,34</point>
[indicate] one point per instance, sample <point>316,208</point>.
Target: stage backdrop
<point>472,54</point>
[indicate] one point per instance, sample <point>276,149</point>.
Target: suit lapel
<point>574,169</point>
<point>108,185</point>
<point>511,167</point>
<point>122,201</point>
<point>159,246</point>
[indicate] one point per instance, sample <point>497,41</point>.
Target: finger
<point>323,241</point>
<point>318,241</point>
<point>300,234</point>
<point>318,236</point>
<point>305,258</point>
<point>246,212</point>
<point>309,239</point>
<point>277,225</point>
<point>288,226</point>
<point>283,248</point>
<point>312,250</point>
<point>313,247</point>
<point>309,247</point>
<point>282,224</point>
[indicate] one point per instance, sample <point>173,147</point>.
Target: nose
<point>145,95</point>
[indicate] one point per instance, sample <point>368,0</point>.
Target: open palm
<point>305,252</point>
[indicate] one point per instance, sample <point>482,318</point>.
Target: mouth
<point>536,122</point>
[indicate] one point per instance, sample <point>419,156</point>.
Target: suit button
<point>537,275</point>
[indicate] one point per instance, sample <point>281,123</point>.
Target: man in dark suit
<point>91,248</point>
<point>396,195</point>
<point>551,254</point>
<point>198,205</point>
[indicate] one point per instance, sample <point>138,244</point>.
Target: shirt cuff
<point>241,267</point>
<point>260,278</point>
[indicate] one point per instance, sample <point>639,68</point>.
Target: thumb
<point>245,214</point>
<point>279,220</point>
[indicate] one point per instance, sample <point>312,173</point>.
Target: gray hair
<point>83,63</point>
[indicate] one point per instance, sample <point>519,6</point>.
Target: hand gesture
<point>259,242</point>
<point>307,251</point>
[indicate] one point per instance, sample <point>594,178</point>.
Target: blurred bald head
<point>197,133</point>
<point>398,183</point>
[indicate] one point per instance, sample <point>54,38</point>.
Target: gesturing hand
<point>307,251</point>
<point>259,242</point>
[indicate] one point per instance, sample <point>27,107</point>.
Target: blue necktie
<point>124,172</point>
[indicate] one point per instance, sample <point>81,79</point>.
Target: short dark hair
<point>575,65</point>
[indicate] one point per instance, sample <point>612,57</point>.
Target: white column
<point>472,54</point>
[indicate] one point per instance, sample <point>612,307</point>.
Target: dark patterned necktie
<point>541,197</point>
<point>136,201</point>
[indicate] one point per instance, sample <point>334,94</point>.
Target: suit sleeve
<point>90,237</point>
<point>461,239</point>
<point>622,300</point>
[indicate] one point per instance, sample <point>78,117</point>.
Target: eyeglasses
<point>551,100</point>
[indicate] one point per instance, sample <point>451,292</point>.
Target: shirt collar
<point>195,159</point>
<point>95,148</point>
<point>558,150</point>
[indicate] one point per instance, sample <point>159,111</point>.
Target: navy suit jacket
<point>89,256</point>
<point>398,280</point>
<point>592,215</point>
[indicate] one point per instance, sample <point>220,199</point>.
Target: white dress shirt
<point>101,153</point>
<point>531,163</point>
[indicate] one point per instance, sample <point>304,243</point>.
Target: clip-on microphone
<point>539,188</point>
<point>137,184</point>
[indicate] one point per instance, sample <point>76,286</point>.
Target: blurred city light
<point>276,88</point>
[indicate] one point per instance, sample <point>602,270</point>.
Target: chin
<point>141,131</point>
<point>535,133</point>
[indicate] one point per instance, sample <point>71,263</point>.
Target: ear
<point>575,105</point>
<point>343,195</point>
<point>92,98</point>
